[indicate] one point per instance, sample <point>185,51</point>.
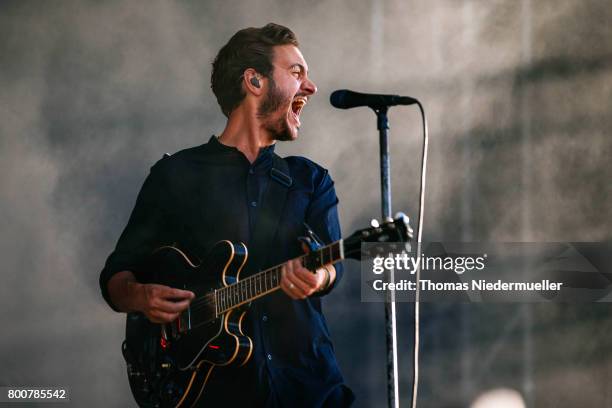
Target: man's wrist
<point>327,280</point>
<point>134,295</point>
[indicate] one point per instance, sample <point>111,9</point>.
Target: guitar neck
<point>267,281</point>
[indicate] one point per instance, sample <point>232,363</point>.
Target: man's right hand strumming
<point>159,303</point>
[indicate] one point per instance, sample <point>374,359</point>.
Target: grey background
<point>518,95</point>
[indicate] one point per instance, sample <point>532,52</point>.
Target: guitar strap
<point>269,214</point>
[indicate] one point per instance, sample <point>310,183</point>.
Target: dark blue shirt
<point>209,193</point>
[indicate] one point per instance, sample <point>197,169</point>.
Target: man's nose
<point>309,87</point>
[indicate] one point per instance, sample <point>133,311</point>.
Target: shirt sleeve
<point>146,230</point>
<point>322,216</point>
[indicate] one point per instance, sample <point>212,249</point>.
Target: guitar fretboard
<point>264,282</point>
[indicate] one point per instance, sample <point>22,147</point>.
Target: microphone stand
<point>345,99</point>
<point>390,320</point>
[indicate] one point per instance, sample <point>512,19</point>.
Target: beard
<point>273,102</point>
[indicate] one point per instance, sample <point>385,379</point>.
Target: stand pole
<point>390,321</point>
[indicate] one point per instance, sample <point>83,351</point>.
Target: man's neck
<point>243,131</point>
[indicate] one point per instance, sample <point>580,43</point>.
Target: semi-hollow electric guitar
<point>168,364</point>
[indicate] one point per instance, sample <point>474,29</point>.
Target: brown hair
<point>248,48</point>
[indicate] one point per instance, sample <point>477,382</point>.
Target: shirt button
<point>269,357</point>
<point>265,318</point>
<point>253,203</point>
<point>251,171</point>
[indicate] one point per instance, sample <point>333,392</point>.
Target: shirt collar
<point>264,152</point>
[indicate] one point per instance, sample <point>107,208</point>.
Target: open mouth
<point>297,105</point>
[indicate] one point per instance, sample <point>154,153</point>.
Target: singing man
<point>212,192</point>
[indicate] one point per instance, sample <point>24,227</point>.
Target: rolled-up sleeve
<point>147,228</point>
<point>322,216</point>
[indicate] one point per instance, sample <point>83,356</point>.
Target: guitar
<point>168,365</point>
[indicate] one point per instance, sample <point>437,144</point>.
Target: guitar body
<point>168,365</point>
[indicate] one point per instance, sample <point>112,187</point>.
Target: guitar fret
<point>227,298</point>
<point>224,299</point>
<point>275,276</point>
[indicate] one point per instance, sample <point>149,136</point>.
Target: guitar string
<point>209,301</point>
<point>246,285</point>
<point>236,297</point>
<point>238,288</point>
<point>247,281</point>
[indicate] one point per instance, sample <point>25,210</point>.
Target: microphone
<point>345,99</point>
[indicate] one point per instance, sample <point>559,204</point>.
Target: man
<point>212,192</point>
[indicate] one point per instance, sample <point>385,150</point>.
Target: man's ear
<point>253,82</point>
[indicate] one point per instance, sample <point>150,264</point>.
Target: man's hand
<point>299,283</point>
<point>159,303</point>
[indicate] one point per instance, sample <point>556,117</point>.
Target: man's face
<point>288,91</point>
